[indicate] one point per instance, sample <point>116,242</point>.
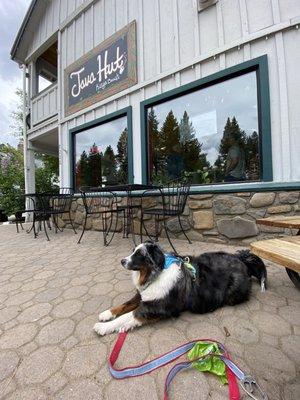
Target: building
<point>144,91</point>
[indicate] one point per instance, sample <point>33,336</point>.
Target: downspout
<point>25,145</point>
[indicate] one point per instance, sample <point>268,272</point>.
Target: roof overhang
<point>18,39</point>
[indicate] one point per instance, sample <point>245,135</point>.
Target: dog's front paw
<point>106,316</point>
<point>102,329</point>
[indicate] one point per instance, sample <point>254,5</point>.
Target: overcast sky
<point>12,13</point>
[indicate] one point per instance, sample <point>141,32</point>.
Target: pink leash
<point>165,359</point>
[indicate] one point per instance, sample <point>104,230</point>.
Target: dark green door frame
<point>127,111</point>
<point>260,65</point>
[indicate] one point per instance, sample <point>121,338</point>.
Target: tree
<point>109,165</point>
<point>186,129</point>
<point>11,178</point>
<point>122,157</point>
<point>12,182</point>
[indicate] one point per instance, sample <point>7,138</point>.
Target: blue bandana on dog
<point>171,259</point>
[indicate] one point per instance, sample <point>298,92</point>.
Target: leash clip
<point>252,388</point>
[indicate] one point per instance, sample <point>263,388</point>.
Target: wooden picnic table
<point>283,251</point>
<point>292,222</point>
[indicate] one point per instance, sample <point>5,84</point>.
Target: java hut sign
<point>107,69</point>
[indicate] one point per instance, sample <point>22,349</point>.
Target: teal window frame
<point>260,65</point>
<point>124,112</point>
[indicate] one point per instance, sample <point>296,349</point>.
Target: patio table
<point>133,191</point>
<point>283,251</point>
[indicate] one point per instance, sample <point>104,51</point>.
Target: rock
<point>97,224</point>
<point>262,199</point>
<point>254,213</point>
<point>279,209</point>
<point>200,196</point>
<point>193,235</point>
<point>198,204</point>
<point>203,219</point>
<point>173,225</point>
<point>229,205</point>
<point>270,229</point>
<point>288,197</point>
<point>237,228</point>
<point>243,194</point>
<point>79,217</point>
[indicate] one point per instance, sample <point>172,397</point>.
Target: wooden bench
<point>283,251</point>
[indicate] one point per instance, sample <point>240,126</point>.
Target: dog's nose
<point>123,262</point>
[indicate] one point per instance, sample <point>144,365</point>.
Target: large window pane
<point>101,154</point>
<point>211,135</point>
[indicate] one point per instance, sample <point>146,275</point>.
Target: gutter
<point>21,31</point>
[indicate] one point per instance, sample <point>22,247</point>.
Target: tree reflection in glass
<point>210,135</point>
<point>101,154</point>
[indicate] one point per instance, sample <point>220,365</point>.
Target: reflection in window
<point>210,135</point>
<point>101,154</point>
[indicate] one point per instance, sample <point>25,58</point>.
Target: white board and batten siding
<point>176,45</point>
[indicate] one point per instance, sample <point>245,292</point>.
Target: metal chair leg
<point>84,225</point>
<point>168,237</point>
<point>45,228</point>
<point>73,227</point>
<point>183,231</point>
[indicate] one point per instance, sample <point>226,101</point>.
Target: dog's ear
<point>156,254</point>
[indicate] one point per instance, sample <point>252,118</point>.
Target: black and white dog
<point>167,285</point>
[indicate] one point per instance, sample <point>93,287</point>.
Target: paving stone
<point>8,313</point>
<point>48,295</point>
<point>55,331</point>
<point>271,324</point>
<point>67,308</point>
<point>35,312</point>
<point>20,298</point>
<point>28,394</point>
<point>75,292</point>
<point>292,391</point>
<point>83,361</point>
<point>130,390</point>
<point>290,314</point>
<point>291,347</point>
<point>9,287</point>
<point>55,383</point>
<point>58,282</point>
<point>83,330</point>
<point>8,363</point>
<point>101,288</point>
<point>85,389</point>
<point>39,365</point>
<point>191,382</point>
<point>17,336</point>
<point>33,285</point>
<point>266,359</point>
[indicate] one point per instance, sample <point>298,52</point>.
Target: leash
<point>248,383</point>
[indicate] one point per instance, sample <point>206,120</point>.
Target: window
<point>46,68</point>
<point>101,154</point>
<point>211,134</point>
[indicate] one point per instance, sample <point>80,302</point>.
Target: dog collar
<point>171,259</point>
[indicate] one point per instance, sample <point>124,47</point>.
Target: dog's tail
<point>255,265</point>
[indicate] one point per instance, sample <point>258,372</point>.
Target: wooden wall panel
<point>259,14</point>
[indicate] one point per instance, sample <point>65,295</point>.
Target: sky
<point>12,13</point>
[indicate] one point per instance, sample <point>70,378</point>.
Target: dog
<point>168,285</point>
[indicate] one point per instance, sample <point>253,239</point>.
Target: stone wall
<point>218,218</point>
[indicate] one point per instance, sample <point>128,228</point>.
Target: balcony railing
<point>44,105</point>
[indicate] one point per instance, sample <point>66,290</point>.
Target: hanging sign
<point>107,69</point>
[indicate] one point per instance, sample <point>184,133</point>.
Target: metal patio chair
<point>173,199</point>
<point>55,204</point>
<point>102,203</point>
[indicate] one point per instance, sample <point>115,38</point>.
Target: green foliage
<point>11,179</point>
<point>12,184</point>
